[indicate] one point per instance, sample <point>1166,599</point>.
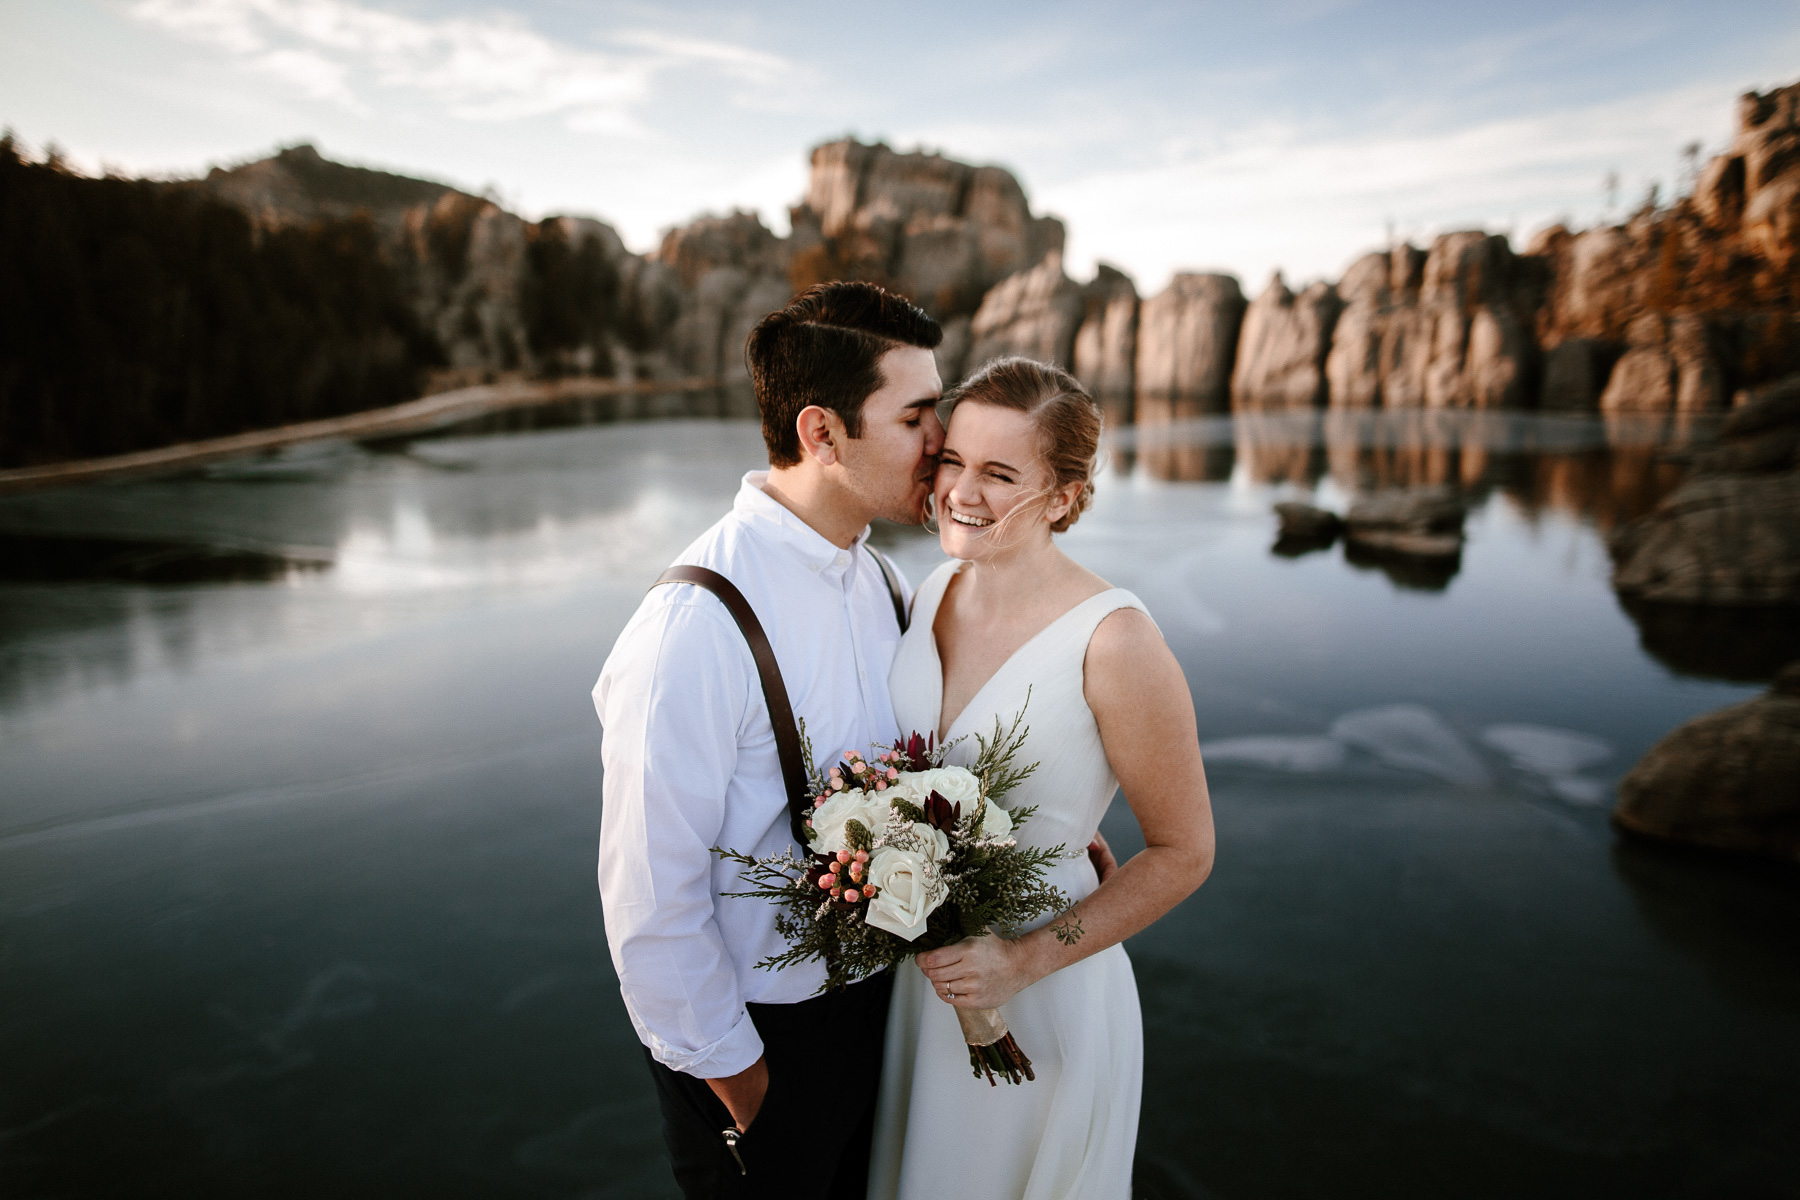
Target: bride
<point>1109,708</point>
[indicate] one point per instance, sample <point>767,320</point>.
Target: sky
<point>1289,134</point>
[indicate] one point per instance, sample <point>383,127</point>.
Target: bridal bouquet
<point>906,855</point>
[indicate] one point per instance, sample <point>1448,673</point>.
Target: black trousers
<point>810,1140</point>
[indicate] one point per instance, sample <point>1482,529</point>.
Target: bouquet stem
<point>992,1049</point>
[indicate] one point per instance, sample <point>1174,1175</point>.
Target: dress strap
<point>1097,608</point>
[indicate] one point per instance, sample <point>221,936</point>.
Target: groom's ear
<point>821,434</point>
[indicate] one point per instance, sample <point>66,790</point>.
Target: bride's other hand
<point>982,972</point>
<point>1101,855</point>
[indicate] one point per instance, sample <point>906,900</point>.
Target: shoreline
<point>426,413</point>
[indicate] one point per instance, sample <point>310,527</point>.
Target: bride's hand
<point>982,972</point>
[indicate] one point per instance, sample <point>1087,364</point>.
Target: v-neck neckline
<point>944,731</point>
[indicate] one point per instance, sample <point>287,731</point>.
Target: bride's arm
<point>1141,702</point>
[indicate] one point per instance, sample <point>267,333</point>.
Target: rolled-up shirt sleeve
<point>673,699</point>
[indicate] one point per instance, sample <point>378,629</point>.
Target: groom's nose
<point>934,434</point>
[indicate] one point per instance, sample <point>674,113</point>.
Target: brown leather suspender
<point>781,712</point>
<point>893,582</point>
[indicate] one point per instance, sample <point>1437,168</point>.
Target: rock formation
<point>1669,367</point>
<point>1670,312</point>
<point>500,293</point>
<point>1450,328</point>
<point>1730,534</point>
<point>299,185</point>
<point>934,229</point>
<point>1282,349</point>
<point>1034,313</point>
<point>1414,522</point>
<point>1304,528</point>
<point>1369,340</point>
<point>1673,311</point>
<point>732,271</point>
<point>1106,344</point>
<point>1729,780</point>
<point>1187,340</point>
<point>563,295</point>
<point>1448,331</point>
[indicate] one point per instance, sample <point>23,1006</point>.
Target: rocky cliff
<point>1674,311</point>
<point>564,296</point>
<point>1677,310</point>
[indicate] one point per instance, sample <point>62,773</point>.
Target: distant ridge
<point>300,184</point>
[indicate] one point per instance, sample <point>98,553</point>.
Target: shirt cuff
<point>737,1051</point>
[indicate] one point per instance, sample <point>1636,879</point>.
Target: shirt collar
<point>775,521</point>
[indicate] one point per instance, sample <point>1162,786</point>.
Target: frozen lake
<point>299,795</point>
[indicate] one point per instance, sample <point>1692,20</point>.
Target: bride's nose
<point>965,491</point>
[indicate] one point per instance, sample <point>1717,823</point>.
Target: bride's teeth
<point>965,519</point>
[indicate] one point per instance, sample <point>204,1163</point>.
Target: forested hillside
<point>135,313</point>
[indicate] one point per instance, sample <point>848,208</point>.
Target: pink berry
<point>850,894</point>
<point>843,856</point>
<point>827,882</point>
<point>861,856</point>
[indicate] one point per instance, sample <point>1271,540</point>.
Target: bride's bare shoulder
<point>1127,652</point>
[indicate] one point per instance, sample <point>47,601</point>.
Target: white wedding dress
<point>940,1132</point>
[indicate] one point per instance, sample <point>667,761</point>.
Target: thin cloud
<point>491,68</point>
<point>1277,197</point>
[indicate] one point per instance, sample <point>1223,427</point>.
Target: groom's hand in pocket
<point>742,1094</point>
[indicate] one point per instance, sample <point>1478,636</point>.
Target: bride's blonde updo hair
<point>1066,417</point>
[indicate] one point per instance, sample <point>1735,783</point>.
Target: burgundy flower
<point>940,813</point>
<point>917,751</point>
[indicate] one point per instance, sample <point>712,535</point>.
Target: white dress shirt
<point>691,764</point>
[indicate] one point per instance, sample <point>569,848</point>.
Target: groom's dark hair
<point>825,348</point>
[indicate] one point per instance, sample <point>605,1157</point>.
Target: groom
<point>766,1088</point>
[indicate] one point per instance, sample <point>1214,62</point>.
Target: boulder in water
<point>1729,780</point>
<point>1418,522</point>
<point>1305,528</point>
<point>1730,534</point>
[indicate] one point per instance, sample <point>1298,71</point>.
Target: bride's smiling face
<point>990,466</point>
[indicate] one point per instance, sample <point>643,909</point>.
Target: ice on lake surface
<point>299,793</point>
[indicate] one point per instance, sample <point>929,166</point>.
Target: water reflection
<point>1749,644</point>
<point>1416,572</point>
<point>1174,439</point>
<point>74,559</point>
<point>1607,472</point>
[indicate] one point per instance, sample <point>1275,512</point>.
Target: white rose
<point>904,788</point>
<point>838,810</point>
<point>996,821</point>
<point>955,784</point>
<point>907,891</point>
<point>934,843</point>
